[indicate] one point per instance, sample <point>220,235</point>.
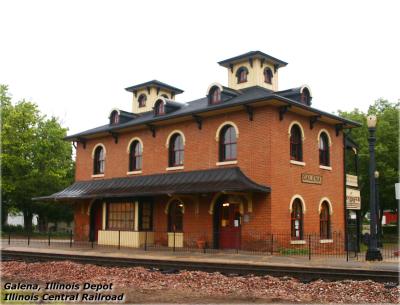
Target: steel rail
<point>169,266</point>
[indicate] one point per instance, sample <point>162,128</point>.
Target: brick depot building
<point>228,169</point>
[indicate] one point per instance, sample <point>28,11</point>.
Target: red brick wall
<point>263,155</point>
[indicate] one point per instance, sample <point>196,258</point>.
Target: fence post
<point>49,238</point>
<point>272,244</point>
<point>28,238</point>
<point>173,249</point>
<point>70,239</point>
<point>9,238</point>
<point>119,239</point>
<point>237,242</point>
<point>92,243</point>
<point>145,241</point>
<point>309,246</point>
<point>205,244</point>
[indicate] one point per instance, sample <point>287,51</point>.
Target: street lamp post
<point>378,210</point>
<point>373,252</point>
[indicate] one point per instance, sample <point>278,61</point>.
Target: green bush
<point>12,229</point>
<point>389,230</point>
<point>289,251</point>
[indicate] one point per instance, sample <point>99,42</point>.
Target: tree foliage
<point>386,150</point>
<point>35,160</point>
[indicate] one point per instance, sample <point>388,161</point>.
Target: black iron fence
<point>309,246</point>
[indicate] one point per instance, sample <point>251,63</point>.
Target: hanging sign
<point>310,178</point>
<point>351,180</point>
<point>353,199</point>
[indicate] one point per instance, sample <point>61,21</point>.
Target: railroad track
<point>305,274</point>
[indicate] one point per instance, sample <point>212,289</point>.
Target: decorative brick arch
<point>303,136</point>
<point>329,204</point>
<point>176,131</point>
<point>303,204</point>
<point>172,199</point>
<point>95,147</point>
<point>323,130</point>
<point>131,141</point>
<point>223,125</point>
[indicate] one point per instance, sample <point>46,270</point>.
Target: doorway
<point>227,225</point>
<point>96,220</point>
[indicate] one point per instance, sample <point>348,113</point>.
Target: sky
<point>74,58</point>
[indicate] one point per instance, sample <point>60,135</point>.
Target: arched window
<point>305,96</point>
<point>176,150</point>
<point>159,107</point>
<point>114,117</point>
<point>324,149</point>
<point>268,75</point>
<point>324,221</point>
<point>297,220</point>
<point>175,216</point>
<point>227,144</point>
<point>296,150</point>
<point>142,100</point>
<point>98,164</point>
<point>215,95</point>
<point>241,75</point>
<point>135,156</point>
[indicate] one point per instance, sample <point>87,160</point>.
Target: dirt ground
<point>151,286</point>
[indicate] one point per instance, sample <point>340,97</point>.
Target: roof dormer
<point>254,68</point>
<point>146,94</point>
<point>216,93</point>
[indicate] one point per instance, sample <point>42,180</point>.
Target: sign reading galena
<point>353,199</point>
<point>310,178</point>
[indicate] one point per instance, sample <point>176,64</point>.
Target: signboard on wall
<point>310,178</point>
<point>351,180</point>
<point>353,199</point>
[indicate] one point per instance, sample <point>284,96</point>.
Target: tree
<point>35,160</point>
<point>387,151</point>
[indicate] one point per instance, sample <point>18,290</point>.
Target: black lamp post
<point>373,252</point>
<point>378,210</point>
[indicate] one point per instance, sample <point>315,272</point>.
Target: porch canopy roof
<point>201,181</point>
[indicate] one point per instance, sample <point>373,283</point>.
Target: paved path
<point>217,257</point>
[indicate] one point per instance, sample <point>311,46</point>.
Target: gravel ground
<point>147,286</point>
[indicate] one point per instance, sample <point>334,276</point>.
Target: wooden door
<point>229,226</point>
<point>98,220</point>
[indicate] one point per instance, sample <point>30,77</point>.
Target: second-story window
<point>296,150</point>
<point>176,150</point>
<point>159,108</point>
<point>268,75</point>
<point>142,100</point>
<point>215,95</point>
<point>324,149</point>
<point>135,156</point>
<point>98,164</point>
<point>227,144</point>
<point>241,75</point>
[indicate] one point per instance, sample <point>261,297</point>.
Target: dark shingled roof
<point>196,107</point>
<point>154,83</point>
<point>201,181</point>
<point>252,54</point>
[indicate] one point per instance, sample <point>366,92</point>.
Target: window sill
<point>134,172</point>
<point>174,168</point>
<point>327,168</point>
<point>299,163</point>
<point>98,176</point>
<point>226,163</point>
<point>297,242</point>
<point>326,241</point>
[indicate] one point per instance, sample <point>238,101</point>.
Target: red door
<point>229,226</point>
<point>98,220</point>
